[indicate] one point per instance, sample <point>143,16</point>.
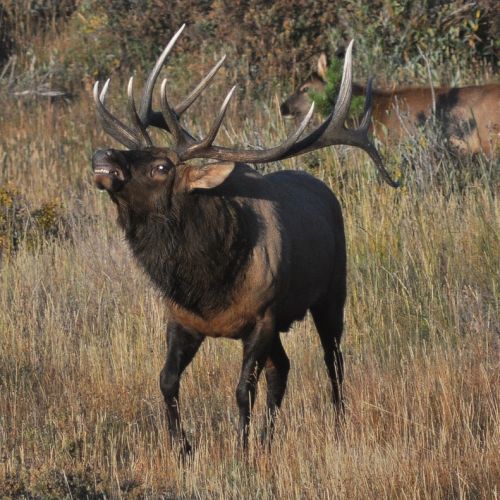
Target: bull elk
<point>235,254</point>
<point>469,117</point>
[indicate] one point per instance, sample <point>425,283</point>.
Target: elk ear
<point>208,176</point>
<point>322,65</point>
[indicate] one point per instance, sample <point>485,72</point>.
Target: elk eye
<point>161,169</point>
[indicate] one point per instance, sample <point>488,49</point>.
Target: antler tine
<point>367,111</point>
<point>377,159</point>
<point>214,130</point>
<point>112,125</point>
<point>186,103</point>
<point>156,119</point>
<point>255,156</point>
<point>147,96</point>
<point>133,113</point>
<point>370,148</point>
<point>344,97</point>
<point>170,116</point>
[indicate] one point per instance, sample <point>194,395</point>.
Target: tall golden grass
<point>82,343</point>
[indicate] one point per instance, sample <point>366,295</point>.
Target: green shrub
<point>325,101</point>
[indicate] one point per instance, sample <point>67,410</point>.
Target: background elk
<point>469,117</point>
<point>234,253</point>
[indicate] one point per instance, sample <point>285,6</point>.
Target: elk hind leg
<point>329,321</point>
<point>256,347</point>
<point>276,368</point>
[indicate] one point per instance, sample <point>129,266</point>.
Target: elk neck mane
<point>195,247</point>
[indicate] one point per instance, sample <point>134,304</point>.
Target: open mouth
<point>109,177</point>
<point>106,171</point>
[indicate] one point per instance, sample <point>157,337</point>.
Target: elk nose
<point>284,109</point>
<point>103,156</point>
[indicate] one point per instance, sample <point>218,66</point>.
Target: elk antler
<point>138,137</point>
<point>332,131</point>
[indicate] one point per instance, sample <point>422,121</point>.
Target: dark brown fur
<point>244,259</point>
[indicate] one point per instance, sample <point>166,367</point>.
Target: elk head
<point>297,105</point>
<point>146,176</point>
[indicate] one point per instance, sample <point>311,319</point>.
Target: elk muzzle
<point>109,173</point>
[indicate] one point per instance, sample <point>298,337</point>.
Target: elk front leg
<point>182,346</point>
<point>256,347</point>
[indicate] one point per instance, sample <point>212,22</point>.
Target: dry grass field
<point>82,335</point>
